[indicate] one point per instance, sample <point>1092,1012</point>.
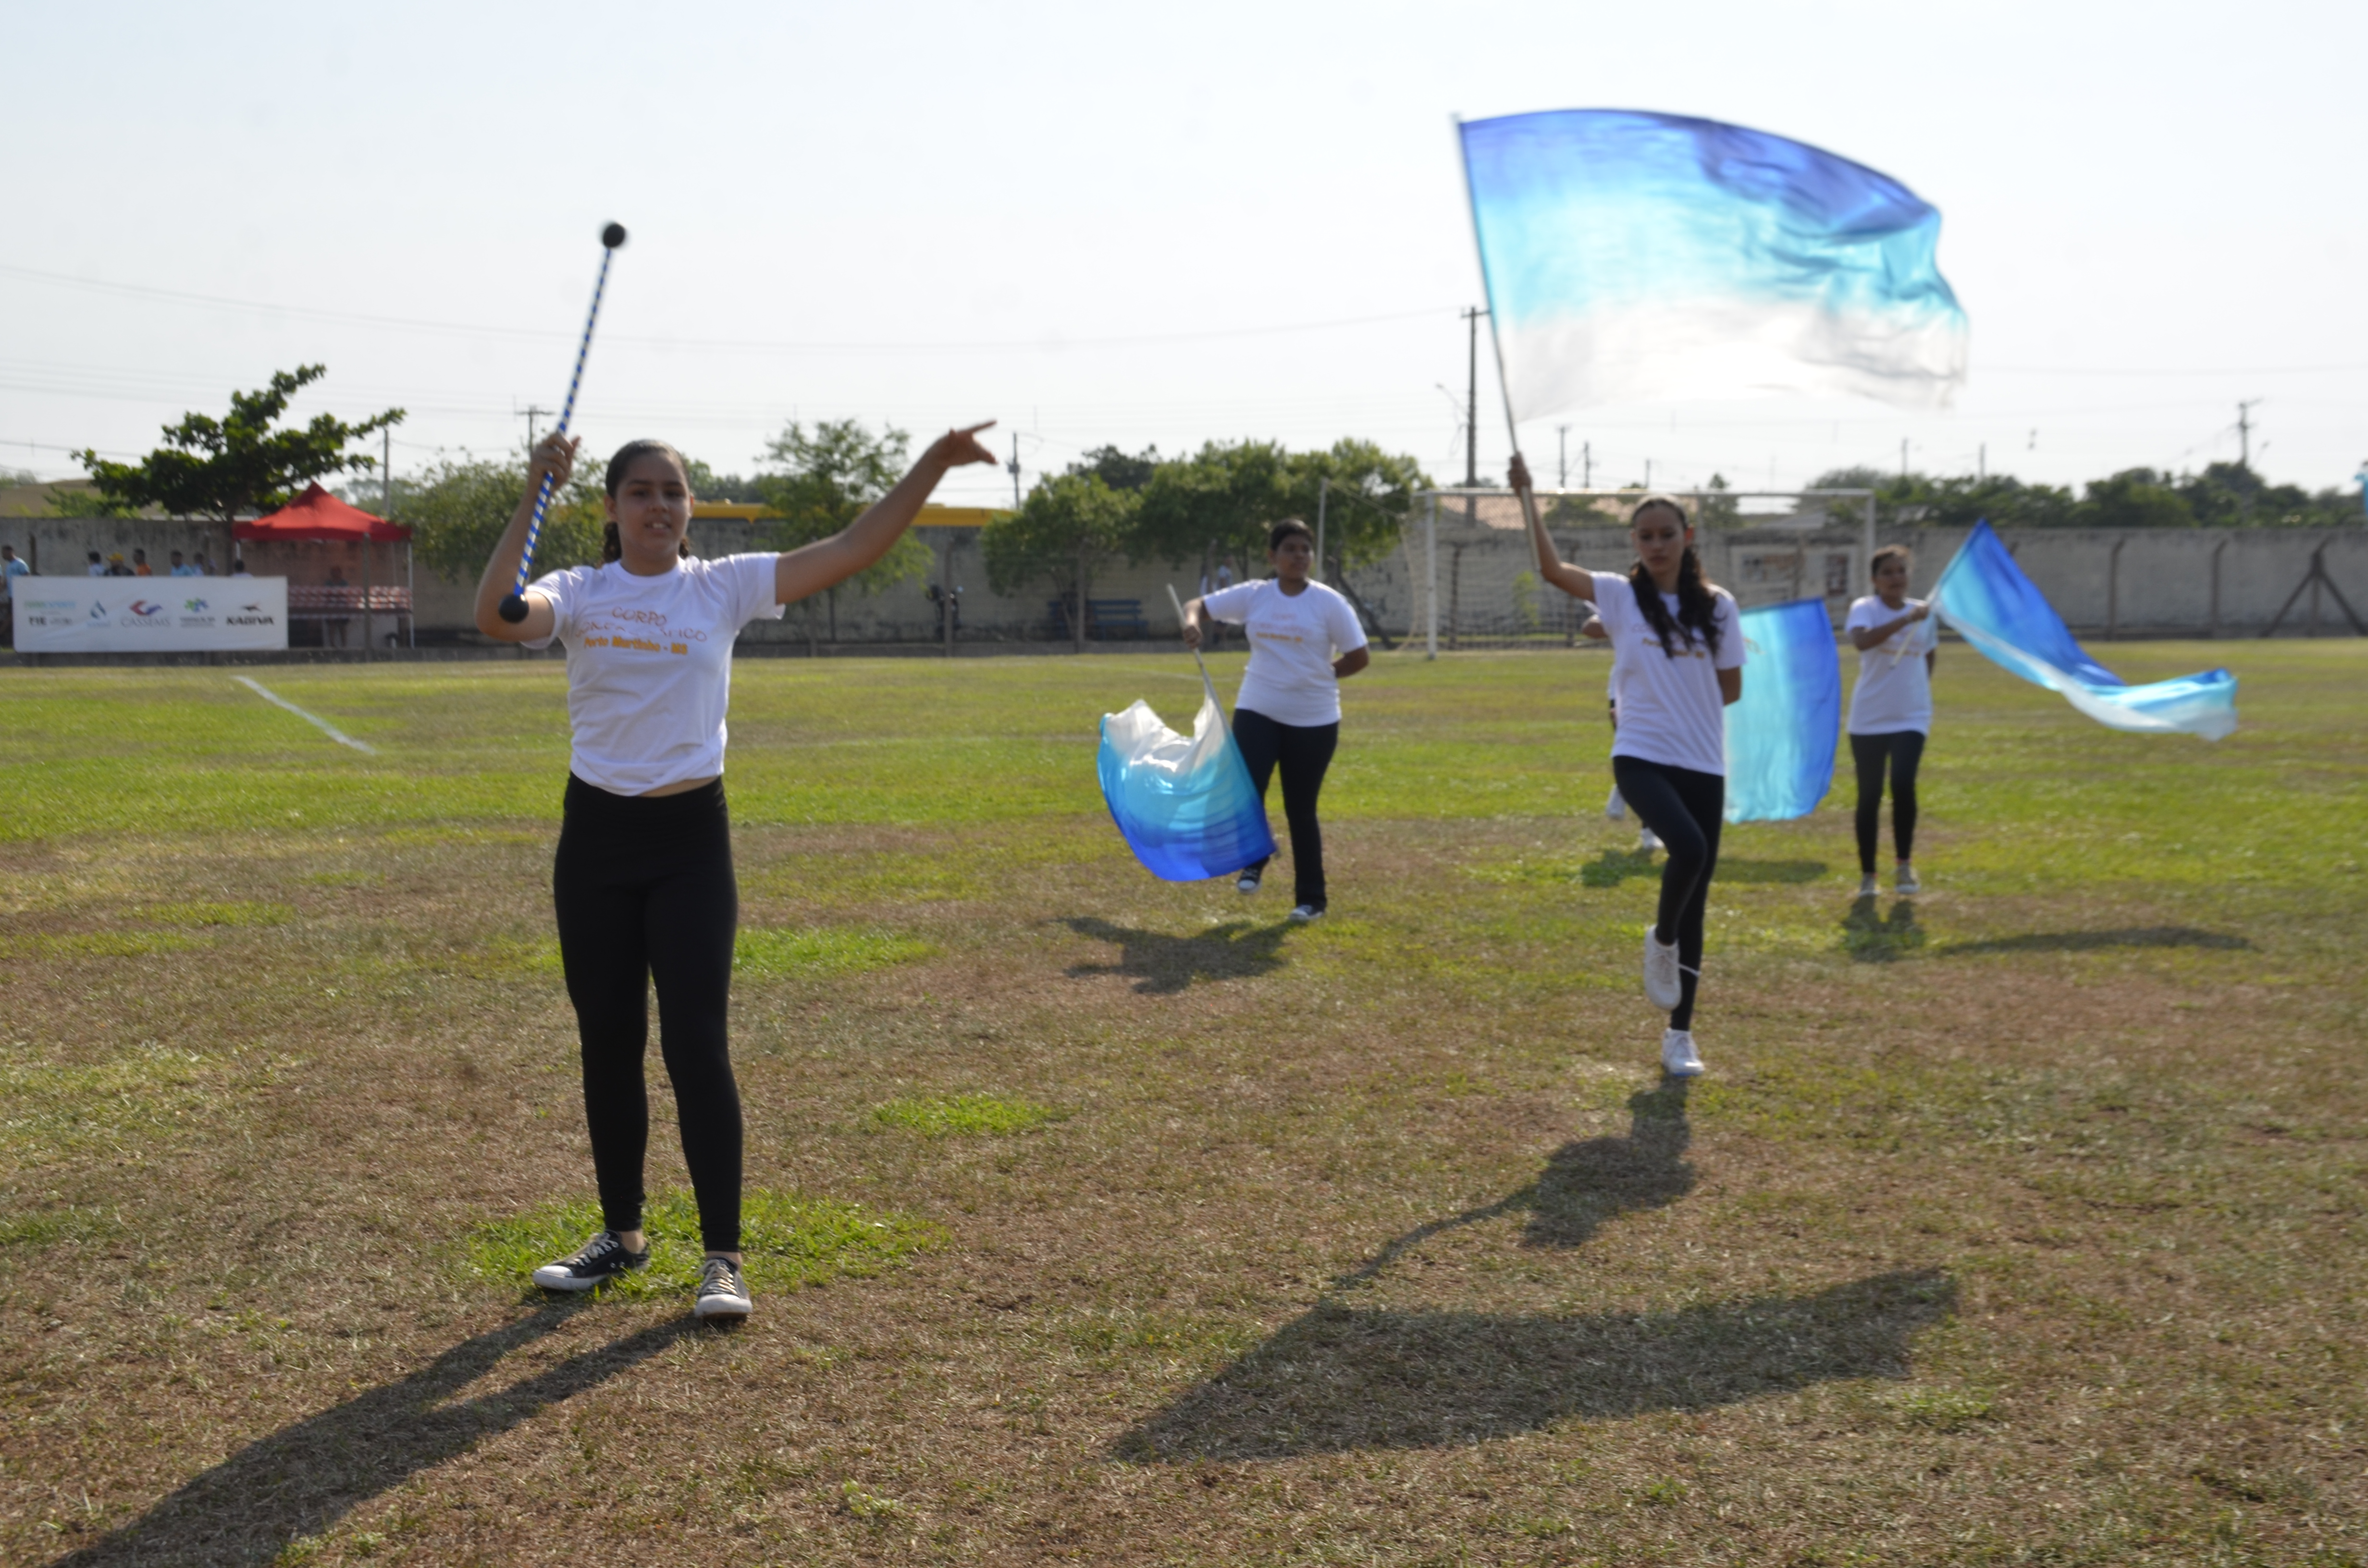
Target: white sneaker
<point>1678,1057</point>
<point>1305,914</point>
<point>721,1292</point>
<point>1868,887</point>
<point>1248,884</point>
<point>1646,842</point>
<point>1906,885</point>
<point>1664,983</point>
<point>1615,808</point>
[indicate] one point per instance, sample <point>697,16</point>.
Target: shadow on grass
<point>1584,1184</point>
<point>1616,866</point>
<point>2093,941</point>
<point>1340,1379</point>
<point>1162,964</point>
<point>1869,937</point>
<point>303,1478</point>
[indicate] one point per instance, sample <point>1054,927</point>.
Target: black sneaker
<point>596,1262</point>
<point>721,1292</point>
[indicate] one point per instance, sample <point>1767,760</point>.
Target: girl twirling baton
<point>1679,648</point>
<point>643,880</point>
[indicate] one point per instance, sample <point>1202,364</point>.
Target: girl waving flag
<point>1680,660</point>
<point>642,881</point>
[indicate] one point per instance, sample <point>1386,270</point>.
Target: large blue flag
<point>1780,735</point>
<point>2001,612</point>
<point>1183,803</point>
<point>1630,254</point>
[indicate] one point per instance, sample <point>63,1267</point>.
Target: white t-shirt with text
<point>1894,691</point>
<point>649,665</point>
<point>1670,710</point>
<point>1293,640</point>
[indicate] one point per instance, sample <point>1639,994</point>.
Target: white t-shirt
<point>1894,691</point>
<point>649,665</point>
<point>1293,640</point>
<point>1670,710</point>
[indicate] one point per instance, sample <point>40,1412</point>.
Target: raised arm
<point>811,568</point>
<point>555,455</point>
<point>1572,580</point>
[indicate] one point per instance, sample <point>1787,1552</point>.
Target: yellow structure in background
<point>932,516</point>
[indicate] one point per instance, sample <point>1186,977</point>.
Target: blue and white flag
<point>1631,255</point>
<point>1183,803</point>
<point>1986,597</point>
<point>1781,734</point>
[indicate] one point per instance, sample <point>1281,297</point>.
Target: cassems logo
<point>139,612</point>
<point>143,609</point>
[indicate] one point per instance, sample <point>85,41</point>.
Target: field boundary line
<point>314,719</point>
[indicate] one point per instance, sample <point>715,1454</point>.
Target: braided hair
<point>1697,608</point>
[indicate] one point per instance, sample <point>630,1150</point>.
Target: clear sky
<point>1140,224</point>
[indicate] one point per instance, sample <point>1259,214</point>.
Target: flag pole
<point>1206,684</point>
<point>1495,343</point>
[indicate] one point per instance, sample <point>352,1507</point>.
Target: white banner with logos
<point>149,615</point>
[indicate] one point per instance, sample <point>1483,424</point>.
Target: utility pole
<point>1015,469</point>
<point>530,413</point>
<point>1586,465</point>
<point>1982,461</point>
<point>2245,432</point>
<point>1562,457</point>
<point>386,467</point>
<point>1472,405</point>
<point>1903,456</point>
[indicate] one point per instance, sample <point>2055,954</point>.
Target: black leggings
<point>1685,809</point>
<point>645,891</point>
<point>1904,748</point>
<point>1304,751</point>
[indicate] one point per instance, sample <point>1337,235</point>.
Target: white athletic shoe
<point>1678,1057</point>
<point>1248,884</point>
<point>1906,885</point>
<point>1868,887</point>
<point>1305,914</point>
<point>721,1292</point>
<point>1646,842</point>
<point>1664,983</point>
<point>1615,808</point>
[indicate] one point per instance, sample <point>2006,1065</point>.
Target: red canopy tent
<point>319,517</point>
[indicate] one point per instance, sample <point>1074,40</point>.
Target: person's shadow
<point>1162,964</point>
<point>1871,937</point>
<point>1584,1184</point>
<point>303,1478</point>
<point>1341,1378</point>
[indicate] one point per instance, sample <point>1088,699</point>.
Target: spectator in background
<point>116,568</point>
<point>140,564</point>
<point>238,567</point>
<point>334,625</point>
<point>205,564</point>
<point>10,570</point>
<point>183,568</point>
<point>98,567</point>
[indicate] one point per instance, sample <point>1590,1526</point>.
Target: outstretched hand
<point>958,448</point>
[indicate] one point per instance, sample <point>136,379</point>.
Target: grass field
<point>1098,1220</point>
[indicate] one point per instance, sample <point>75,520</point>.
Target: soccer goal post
<point>1476,576</point>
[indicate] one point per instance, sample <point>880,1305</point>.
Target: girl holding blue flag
<point>1680,646</point>
<point>1305,640</point>
<point>1891,712</point>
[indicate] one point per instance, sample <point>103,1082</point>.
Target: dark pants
<point>1685,809</point>
<point>644,891</point>
<point>1304,751</point>
<point>1904,749</point>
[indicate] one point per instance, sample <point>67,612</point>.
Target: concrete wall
<point>2159,582</point>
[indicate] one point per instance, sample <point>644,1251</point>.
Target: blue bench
<point>1103,619</point>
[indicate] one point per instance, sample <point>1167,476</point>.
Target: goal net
<point>1472,576</point>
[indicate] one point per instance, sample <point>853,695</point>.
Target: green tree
<point>2135,498</point>
<point>227,468</point>
<point>457,509</point>
<point>1371,494</point>
<point>821,481</point>
<point>706,484</point>
<point>1119,469</point>
<point>1217,504</point>
<point>1069,525</point>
